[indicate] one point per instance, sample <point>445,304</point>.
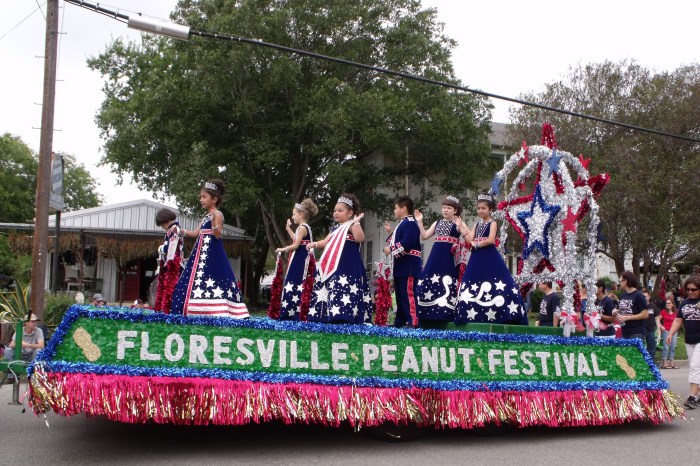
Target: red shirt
<point>667,319</point>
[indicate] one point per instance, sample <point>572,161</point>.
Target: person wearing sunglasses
<point>689,317</point>
<point>632,308</point>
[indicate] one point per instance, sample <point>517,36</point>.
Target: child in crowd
<point>341,291</point>
<point>437,288</point>
<point>487,292</point>
<point>169,259</point>
<point>208,285</point>
<point>298,267</point>
<point>549,315</point>
<point>404,246</point>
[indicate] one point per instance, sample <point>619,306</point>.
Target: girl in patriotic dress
<point>207,287</point>
<point>169,259</point>
<point>296,278</point>
<point>487,293</point>
<point>437,287</point>
<point>341,291</point>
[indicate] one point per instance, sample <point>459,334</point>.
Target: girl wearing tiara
<point>341,291</point>
<point>207,286</point>
<point>169,259</point>
<point>437,288</point>
<point>295,280</point>
<point>487,293</point>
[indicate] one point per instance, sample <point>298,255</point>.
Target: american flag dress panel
<point>488,293</point>
<point>344,296</point>
<point>294,280</point>
<point>437,287</point>
<point>207,286</point>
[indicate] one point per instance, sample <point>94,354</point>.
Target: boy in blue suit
<point>404,246</point>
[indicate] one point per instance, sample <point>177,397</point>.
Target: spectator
<point>689,317</point>
<point>32,341</point>
<point>97,299</point>
<point>138,304</point>
<point>583,293</point>
<point>548,307</point>
<point>651,324</point>
<point>632,310</point>
<point>665,320</point>
<point>606,306</point>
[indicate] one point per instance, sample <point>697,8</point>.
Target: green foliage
<point>535,301</point>
<point>18,168</point>
<point>56,306</point>
<point>278,127</point>
<point>7,257</point>
<point>14,305</point>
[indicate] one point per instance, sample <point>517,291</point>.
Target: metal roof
<point>125,218</point>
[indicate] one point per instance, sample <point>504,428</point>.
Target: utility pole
<point>43,182</point>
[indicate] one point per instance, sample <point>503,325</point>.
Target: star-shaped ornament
<point>536,223</point>
<point>428,295</point>
<point>569,221</point>
<point>513,308</point>
<point>209,282</point>
<point>435,278</point>
<point>491,314</point>
<point>218,292</point>
<point>553,162</point>
<point>343,280</point>
<point>500,286</point>
<point>471,314</point>
<point>289,287</point>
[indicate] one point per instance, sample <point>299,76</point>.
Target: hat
<point>33,317</point>
<point>673,270</point>
<point>98,297</point>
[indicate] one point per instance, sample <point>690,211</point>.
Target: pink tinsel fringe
<point>214,401</point>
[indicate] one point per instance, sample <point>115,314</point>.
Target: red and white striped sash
<point>328,263</point>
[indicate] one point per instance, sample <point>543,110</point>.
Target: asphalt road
<point>26,439</point>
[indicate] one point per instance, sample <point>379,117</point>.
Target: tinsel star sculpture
<point>562,194</point>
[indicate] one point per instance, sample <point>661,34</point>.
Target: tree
<point>277,127</point>
<point>18,168</point>
<point>644,209</point>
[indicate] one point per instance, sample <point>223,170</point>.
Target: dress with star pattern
<point>294,280</point>
<point>488,293</point>
<point>344,296</point>
<point>437,287</point>
<point>207,286</point>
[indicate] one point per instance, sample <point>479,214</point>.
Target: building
<point>112,249</point>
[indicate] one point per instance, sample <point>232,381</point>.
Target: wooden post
<point>43,182</point>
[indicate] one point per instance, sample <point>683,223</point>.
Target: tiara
<point>345,200</point>
<point>300,207</point>
<point>484,197</point>
<point>453,199</point>
<point>212,186</point>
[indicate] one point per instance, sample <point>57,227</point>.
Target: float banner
<point>118,342</point>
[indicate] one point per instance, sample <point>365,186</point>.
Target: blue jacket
<point>406,248</point>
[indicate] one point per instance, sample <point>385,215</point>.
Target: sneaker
<point>691,402</point>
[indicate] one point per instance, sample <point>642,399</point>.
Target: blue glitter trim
<point>130,315</point>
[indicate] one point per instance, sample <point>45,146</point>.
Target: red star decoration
<point>569,221</point>
<point>584,162</point>
<point>524,155</point>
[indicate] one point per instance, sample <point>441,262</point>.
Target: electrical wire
<point>25,18</point>
<point>404,75</point>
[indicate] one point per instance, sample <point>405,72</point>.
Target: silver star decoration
<point>207,239</point>
<point>500,286</point>
<point>229,293</point>
<point>343,280</point>
<point>429,295</point>
<point>488,296</point>
<point>322,294</point>
<point>218,292</point>
<point>353,288</point>
<point>355,310</point>
<point>435,278</point>
<point>200,273</point>
<point>288,287</point>
<point>209,282</point>
<point>491,314</point>
<point>475,287</point>
<point>295,298</point>
<point>198,282</point>
<point>420,282</point>
<point>285,303</point>
<point>513,308</point>
<point>345,299</point>
<point>471,314</point>
<point>335,310</point>
<point>367,299</point>
<point>465,295</point>
<point>197,293</point>
<point>515,290</point>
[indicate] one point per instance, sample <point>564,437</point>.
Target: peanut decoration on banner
<point>548,219</point>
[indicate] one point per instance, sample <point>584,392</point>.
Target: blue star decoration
<point>495,185</point>
<point>553,162</point>
<point>536,223</point>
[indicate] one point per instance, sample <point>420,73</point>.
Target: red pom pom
<point>306,288</point>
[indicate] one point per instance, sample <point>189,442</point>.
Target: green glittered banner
<point>314,352</point>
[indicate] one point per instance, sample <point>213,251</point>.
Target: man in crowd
<point>32,341</point>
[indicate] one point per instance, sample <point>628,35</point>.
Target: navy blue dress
<point>437,288</point>
<point>488,293</point>
<point>343,297</point>
<point>294,280</point>
<point>207,287</point>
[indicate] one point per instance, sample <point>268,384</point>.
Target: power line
<point>158,29</point>
<point>42,11</point>
<point>25,18</point>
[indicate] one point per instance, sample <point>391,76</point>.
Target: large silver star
<point>491,314</point>
<point>345,300</point>
<point>428,295</point>
<point>500,286</point>
<point>353,288</point>
<point>471,314</point>
<point>514,308</point>
<point>197,293</point>
<point>218,292</point>
<point>343,280</point>
<point>435,278</point>
<point>475,287</point>
<point>335,310</point>
<point>295,298</point>
<point>207,239</point>
<point>367,298</point>
<point>289,287</point>
<point>322,294</point>
<point>465,295</point>
<point>209,282</point>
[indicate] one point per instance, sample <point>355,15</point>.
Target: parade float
<point>139,366</point>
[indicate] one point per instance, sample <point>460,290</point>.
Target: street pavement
<point>38,440</point>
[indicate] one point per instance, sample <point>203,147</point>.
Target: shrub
<point>56,305</point>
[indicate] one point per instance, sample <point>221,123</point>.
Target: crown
<point>345,200</point>
<point>212,186</point>
<point>300,207</point>
<point>484,197</point>
<point>453,199</point>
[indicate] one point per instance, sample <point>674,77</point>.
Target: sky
<point>506,48</point>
